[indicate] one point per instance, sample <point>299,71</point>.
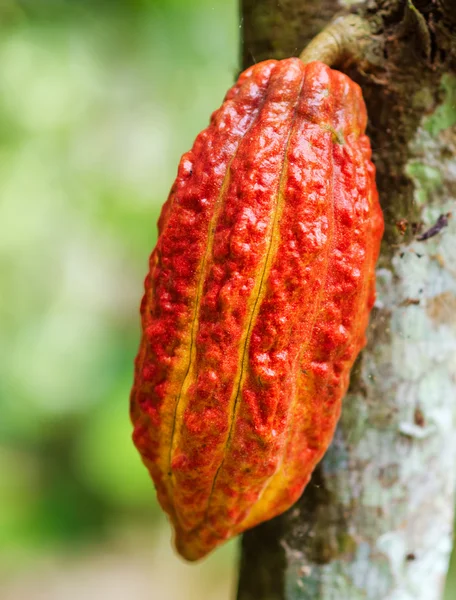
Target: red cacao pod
<point>257,300</point>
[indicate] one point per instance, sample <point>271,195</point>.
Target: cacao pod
<point>257,300</point>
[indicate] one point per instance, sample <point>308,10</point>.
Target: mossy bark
<point>376,520</point>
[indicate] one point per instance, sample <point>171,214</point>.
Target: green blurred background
<point>98,100</point>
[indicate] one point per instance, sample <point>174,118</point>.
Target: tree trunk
<point>376,520</point>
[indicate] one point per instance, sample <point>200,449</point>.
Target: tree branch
<point>376,520</point>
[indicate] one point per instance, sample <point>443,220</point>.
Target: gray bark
<point>376,520</point>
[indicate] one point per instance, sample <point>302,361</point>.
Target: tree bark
<point>376,520</point>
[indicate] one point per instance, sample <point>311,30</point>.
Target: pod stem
<point>340,41</point>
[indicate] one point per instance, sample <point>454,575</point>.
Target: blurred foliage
<point>98,100</point>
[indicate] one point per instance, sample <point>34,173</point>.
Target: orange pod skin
<point>257,300</point>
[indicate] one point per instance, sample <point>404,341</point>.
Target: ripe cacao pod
<point>257,300</point>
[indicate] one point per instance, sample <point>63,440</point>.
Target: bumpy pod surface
<point>257,300</point>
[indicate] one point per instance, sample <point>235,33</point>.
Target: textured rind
<point>257,301</point>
